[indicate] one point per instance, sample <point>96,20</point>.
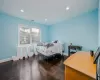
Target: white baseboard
<point>5,60</point>
<point>15,58</point>
<point>66,54</point>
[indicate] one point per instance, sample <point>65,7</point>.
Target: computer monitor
<point>96,55</point>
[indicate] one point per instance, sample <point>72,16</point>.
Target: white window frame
<point>26,26</point>
<point>39,32</point>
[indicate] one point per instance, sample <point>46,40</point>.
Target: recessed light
<point>45,19</point>
<point>67,8</point>
<point>22,10</point>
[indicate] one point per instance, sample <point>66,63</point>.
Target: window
<point>28,35</point>
<point>35,35</point>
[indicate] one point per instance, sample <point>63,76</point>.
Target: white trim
<point>65,54</point>
<point>5,60</point>
<point>15,58</point>
<point>26,45</point>
<point>39,32</point>
<point>26,26</point>
<point>20,26</point>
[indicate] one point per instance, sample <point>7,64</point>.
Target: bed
<point>50,51</point>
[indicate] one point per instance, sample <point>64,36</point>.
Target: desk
<point>80,66</point>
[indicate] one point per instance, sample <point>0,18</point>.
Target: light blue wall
<point>9,34</point>
<point>81,30</point>
<point>99,24</point>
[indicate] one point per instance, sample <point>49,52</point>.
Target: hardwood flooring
<point>32,69</point>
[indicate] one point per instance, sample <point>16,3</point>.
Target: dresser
<point>79,66</point>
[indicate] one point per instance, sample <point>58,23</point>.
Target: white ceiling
<point>53,10</point>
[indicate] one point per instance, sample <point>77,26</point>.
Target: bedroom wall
<point>9,34</point>
<point>99,23</point>
<point>80,30</point>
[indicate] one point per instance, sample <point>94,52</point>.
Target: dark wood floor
<point>32,69</point>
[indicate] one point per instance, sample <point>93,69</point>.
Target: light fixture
<point>67,8</point>
<point>22,10</point>
<point>45,19</point>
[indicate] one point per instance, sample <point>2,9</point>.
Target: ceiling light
<point>67,8</point>
<point>22,10</point>
<point>45,19</point>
